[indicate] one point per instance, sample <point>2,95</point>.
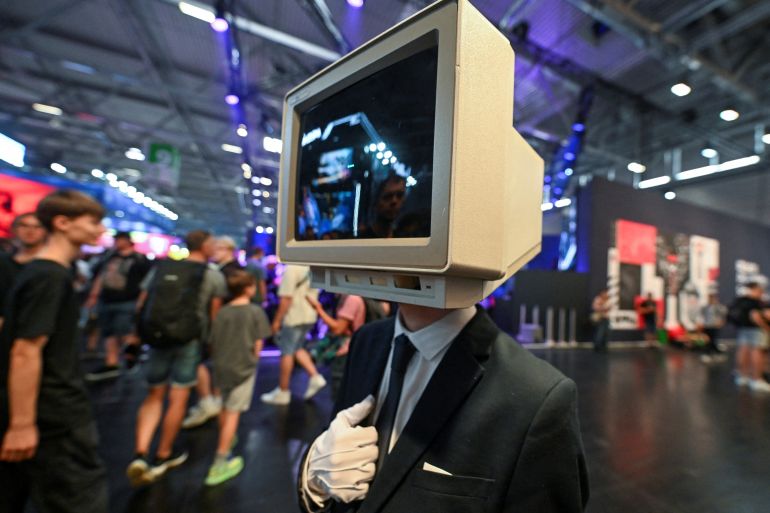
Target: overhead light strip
<point>718,168</point>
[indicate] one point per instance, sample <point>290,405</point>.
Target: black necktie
<point>402,353</point>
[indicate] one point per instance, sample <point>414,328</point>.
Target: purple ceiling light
<point>220,25</point>
<point>356,3</point>
<point>232,99</point>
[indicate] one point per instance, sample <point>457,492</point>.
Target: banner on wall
<point>165,163</point>
<point>18,196</point>
<point>747,272</point>
<point>679,271</point>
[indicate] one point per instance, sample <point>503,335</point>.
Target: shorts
<point>66,475</point>
<point>116,319</point>
<point>751,337</point>
<point>292,338</point>
<point>177,365</point>
<point>650,326</point>
<point>238,398</point>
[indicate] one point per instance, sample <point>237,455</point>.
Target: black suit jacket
<point>501,421</point>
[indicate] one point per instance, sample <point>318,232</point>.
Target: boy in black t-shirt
<point>48,453</point>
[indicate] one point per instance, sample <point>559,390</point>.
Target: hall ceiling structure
<point>127,73</point>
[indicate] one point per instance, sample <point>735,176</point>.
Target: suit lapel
<point>454,378</point>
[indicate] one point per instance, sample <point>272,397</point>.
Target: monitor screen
<point>365,166</point>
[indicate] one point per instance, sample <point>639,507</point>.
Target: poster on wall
<point>18,196</point>
<point>747,272</point>
<point>679,270</point>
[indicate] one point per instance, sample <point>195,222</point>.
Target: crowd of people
<point>194,324</point>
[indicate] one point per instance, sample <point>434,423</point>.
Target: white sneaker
<point>277,396</point>
<point>315,384</point>
<point>742,381</point>
<point>759,385</point>
<point>207,408</point>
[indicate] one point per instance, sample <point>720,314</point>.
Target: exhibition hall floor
<point>663,433</point>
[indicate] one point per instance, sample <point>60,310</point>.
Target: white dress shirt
<point>432,343</point>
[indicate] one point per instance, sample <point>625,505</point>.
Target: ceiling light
<point>654,182</point>
<point>681,89</point>
<point>265,194</point>
<point>242,131</point>
<point>766,138</point>
<point>729,115</point>
<point>636,167</point>
<point>220,25</point>
<point>111,177</point>
<point>257,202</point>
<point>546,206</point>
<point>272,144</point>
<point>232,148</point>
<point>55,166</point>
<point>569,171</point>
<point>708,153</point>
<point>134,154</point>
<point>269,230</point>
<point>716,168</point>
<point>232,99</point>
<point>381,146</point>
<point>388,154</point>
<point>356,3</point>
<point>47,109</point>
<point>197,12</point>
<point>380,155</point>
<point>564,202</point>
<point>266,181</point>
<point>97,173</point>
<point>260,229</point>
<point>669,195</point>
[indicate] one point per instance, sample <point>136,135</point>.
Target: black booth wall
<point>602,202</point>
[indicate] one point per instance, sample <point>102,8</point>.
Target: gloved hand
<point>341,463</point>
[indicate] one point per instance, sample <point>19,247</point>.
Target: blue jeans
<point>292,338</point>
<point>601,335</point>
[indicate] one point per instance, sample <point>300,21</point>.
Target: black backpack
<point>169,316</point>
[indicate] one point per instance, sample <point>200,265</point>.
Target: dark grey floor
<point>663,434</point>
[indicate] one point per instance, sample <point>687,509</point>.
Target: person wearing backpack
<point>747,313</point>
<point>352,313</point>
<point>177,304</point>
<point>114,294</point>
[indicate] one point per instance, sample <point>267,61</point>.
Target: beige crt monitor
<point>401,176</point>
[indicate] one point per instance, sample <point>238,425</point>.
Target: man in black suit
<point>480,424</point>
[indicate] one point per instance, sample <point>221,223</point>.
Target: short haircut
<point>19,218</point>
<point>67,203</point>
<point>195,239</point>
<point>238,281</point>
<point>124,235</point>
<point>227,241</point>
<point>257,250</point>
<point>753,285</point>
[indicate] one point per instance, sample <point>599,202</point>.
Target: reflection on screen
<point>366,161</point>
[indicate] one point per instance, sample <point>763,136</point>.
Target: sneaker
<point>742,381</point>
<point>315,384</point>
<point>759,385</point>
<point>163,465</point>
<point>223,471</point>
<point>206,409</point>
<point>103,373</point>
<point>138,472</point>
<point>277,396</point>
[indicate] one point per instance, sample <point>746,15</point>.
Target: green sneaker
<point>221,472</point>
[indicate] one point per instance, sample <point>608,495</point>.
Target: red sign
<point>635,242</point>
<point>18,196</point>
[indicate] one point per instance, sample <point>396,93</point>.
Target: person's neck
<point>125,252</point>
<point>27,253</point>
<point>197,256</point>
<point>59,249</point>
<point>240,300</point>
<point>417,317</point>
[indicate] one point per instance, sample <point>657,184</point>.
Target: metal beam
<point>692,11</point>
<point>40,21</point>
<point>322,16</point>
<point>668,48</point>
<point>745,18</point>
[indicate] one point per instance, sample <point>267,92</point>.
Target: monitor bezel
<point>438,25</point>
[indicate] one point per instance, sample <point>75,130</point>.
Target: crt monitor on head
<point>401,176</point>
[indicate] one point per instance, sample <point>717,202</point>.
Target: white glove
<point>341,463</point>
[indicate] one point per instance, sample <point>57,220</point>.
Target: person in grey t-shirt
<point>711,319</point>
<point>236,340</point>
